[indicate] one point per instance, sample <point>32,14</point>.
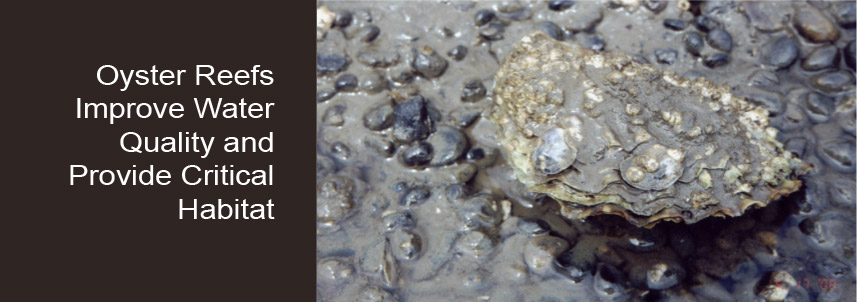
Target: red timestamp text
<point>825,284</point>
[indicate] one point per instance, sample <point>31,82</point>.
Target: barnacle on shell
<point>602,133</point>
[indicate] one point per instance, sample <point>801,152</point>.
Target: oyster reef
<point>603,133</point>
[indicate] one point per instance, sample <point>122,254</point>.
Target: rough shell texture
<point>606,134</point>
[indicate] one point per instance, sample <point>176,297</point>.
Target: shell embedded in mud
<point>603,133</point>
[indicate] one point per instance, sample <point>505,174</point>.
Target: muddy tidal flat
<point>611,150</point>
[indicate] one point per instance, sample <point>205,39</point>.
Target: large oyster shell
<point>603,133</point>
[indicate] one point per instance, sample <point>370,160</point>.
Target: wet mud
<point>417,201</point>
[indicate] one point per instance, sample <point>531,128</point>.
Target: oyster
<point>602,133</point>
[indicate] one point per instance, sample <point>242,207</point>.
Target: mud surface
<point>416,201</point>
